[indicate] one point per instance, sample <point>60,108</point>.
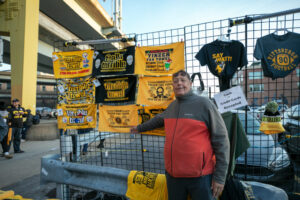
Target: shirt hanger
<point>284,29</point>
<point>225,38</point>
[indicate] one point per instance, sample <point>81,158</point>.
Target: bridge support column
<point>19,19</point>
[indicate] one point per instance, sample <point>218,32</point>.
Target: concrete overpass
<point>61,20</point>
<point>56,20</point>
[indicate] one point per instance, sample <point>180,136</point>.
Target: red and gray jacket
<point>196,138</point>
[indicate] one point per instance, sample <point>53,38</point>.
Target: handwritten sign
<point>230,99</point>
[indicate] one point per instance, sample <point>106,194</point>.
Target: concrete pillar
<point>20,20</point>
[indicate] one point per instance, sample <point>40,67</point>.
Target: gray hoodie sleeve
<point>155,122</point>
<point>220,144</point>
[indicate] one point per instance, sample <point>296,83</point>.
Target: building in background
<point>46,90</point>
<point>261,90</point>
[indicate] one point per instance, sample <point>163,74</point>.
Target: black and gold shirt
<point>15,116</point>
<point>223,59</point>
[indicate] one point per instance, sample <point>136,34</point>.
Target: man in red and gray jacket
<point>196,147</point>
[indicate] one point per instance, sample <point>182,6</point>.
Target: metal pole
<point>246,91</point>
<point>250,19</point>
<point>116,13</point>
<point>120,14</point>
<point>1,50</point>
<point>102,41</point>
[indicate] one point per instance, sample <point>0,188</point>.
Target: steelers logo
<point>118,120</point>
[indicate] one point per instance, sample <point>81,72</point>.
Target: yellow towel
<point>9,135</point>
<point>146,186</point>
<point>15,197</point>
<point>6,194</point>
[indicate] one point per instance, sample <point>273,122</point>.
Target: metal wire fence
<point>272,159</point>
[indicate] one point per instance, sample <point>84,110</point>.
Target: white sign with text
<point>230,99</point>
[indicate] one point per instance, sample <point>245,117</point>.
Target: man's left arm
<point>221,147</point>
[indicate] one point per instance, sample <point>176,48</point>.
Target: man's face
<point>181,85</point>
<point>16,103</point>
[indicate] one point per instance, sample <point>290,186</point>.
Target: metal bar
<point>103,41</point>
<point>104,179</point>
<point>247,19</point>
<point>143,156</point>
<point>185,60</point>
<point>246,92</point>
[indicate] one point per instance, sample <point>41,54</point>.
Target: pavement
<point>22,173</point>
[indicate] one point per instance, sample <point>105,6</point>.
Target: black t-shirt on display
<point>279,54</point>
<point>223,59</point>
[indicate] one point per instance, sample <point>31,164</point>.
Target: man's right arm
<point>155,122</point>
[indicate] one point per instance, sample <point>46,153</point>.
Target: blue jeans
<point>85,147</point>
<point>16,134</point>
<point>197,188</point>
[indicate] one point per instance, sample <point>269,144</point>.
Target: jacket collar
<point>187,96</point>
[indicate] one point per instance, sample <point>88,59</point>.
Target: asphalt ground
<point>22,173</point>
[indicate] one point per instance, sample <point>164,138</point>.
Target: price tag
<point>96,83</point>
<point>60,112</point>
<point>61,89</point>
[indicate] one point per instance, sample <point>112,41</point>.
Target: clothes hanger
<point>225,38</point>
<point>284,29</point>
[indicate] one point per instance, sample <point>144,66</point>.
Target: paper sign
<point>230,99</point>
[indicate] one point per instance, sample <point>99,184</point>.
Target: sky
<point>143,16</point>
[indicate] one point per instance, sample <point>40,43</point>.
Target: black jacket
<point>15,117</point>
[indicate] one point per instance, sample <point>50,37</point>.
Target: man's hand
<point>134,129</point>
<point>217,188</point>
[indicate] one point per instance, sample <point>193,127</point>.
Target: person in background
<point>84,149</point>
<point>196,150</point>
<point>15,120</point>
<point>5,140</point>
<point>27,124</point>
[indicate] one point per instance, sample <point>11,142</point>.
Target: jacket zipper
<point>173,139</point>
<point>203,163</point>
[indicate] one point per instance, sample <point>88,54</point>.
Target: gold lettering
<point>118,85</point>
<point>116,94</point>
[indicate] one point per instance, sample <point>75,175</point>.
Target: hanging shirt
<point>223,59</point>
<point>279,54</point>
<point>241,143</point>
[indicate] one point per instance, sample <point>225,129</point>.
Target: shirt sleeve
<point>202,56</point>
<point>243,60</point>
<point>258,53</point>
<point>220,144</point>
<point>155,122</point>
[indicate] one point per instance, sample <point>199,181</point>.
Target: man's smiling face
<point>181,85</point>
